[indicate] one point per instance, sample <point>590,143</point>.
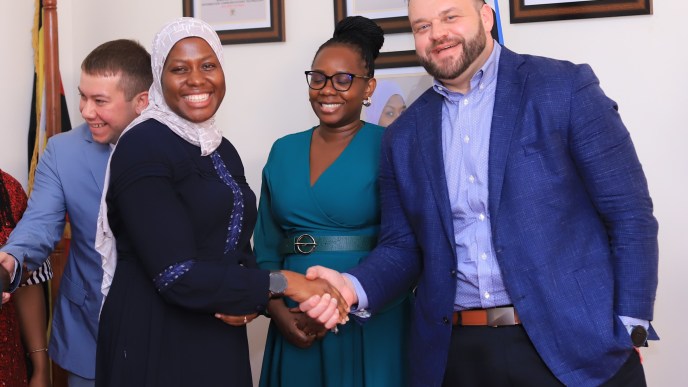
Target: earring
<point>367,102</point>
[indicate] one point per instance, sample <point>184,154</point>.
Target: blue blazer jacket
<point>69,180</point>
<point>571,216</point>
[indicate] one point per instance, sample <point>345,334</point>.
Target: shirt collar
<point>482,78</point>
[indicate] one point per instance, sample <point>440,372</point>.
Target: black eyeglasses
<point>340,81</point>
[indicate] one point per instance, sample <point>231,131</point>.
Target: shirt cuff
<point>630,322</point>
<point>360,308</point>
<point>16,274</point>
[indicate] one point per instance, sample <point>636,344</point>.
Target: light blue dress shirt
<point>466,122</point>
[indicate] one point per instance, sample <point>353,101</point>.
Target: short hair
<point>123,57</point>
<point>361,33</point>
<point>478,3</point>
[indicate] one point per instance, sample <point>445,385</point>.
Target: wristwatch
<point>639,336</point>
<point>278,284</point>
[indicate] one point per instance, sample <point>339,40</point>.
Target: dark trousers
<point>504,356</point>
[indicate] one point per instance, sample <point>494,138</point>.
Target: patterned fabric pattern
<point>236,218</point>
<point>40,275</point>
<point>12,365</point>
<point>172,274</point>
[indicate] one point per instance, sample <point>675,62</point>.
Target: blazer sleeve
<point>605,157</point>
<point>41,227</point>
<point>392,268</point>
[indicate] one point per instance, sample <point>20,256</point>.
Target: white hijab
<point>204,135</point>
<point>384,90</point>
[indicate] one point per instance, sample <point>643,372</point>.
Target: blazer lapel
<point>429,134</point>
<point>507,107</point>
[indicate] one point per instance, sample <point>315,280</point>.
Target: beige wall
<point>638,59</point>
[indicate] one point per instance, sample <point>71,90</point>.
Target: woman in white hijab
<point>182,214</point>
<point>387,103</point>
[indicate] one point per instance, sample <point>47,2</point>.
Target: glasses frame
<point>331,79</point>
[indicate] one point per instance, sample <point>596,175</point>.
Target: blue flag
<point>497,29</point>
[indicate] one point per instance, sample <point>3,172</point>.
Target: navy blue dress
<point>169,208</point>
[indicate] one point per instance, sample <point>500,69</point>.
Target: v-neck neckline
<point>308,153</point>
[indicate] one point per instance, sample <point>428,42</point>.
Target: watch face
<point>278,284</point>
<point>639,336</point>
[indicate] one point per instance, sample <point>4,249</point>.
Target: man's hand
<point>336,279</point>
<point>321,308</point>
<point>5,297</point>
<point>301,289</point>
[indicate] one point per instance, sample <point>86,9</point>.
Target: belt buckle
<point>500,316</point>
<point>304,244</point>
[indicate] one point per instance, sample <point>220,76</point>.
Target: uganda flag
<point>37,121</point>
<point>41,126</point>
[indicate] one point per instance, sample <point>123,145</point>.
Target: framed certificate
<point>241,21</point>
<point>525,11</point>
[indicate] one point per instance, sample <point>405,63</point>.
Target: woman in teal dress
<point>319,205</point>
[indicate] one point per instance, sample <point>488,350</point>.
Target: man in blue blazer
<point>515,207</point>
<point>69,180</point>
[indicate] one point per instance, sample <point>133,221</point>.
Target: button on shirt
<point>466,123</point>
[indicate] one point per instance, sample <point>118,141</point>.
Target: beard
<point>448,68</point>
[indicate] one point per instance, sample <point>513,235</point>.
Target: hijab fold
<point>205,135</point>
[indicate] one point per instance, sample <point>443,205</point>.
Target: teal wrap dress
<point>343,201</point>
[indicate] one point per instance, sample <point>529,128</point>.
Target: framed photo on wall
<point>525,11</point>
<point>396,89</point>
<point>391,16</point>
<point>241,21</point>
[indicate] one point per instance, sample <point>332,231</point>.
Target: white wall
<point>16,78</point>
<point>638,59</point>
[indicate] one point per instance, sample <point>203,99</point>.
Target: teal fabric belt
<point>306,243</point>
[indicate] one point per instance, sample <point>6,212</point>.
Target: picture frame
<point>407,82</point>
<point>526,11</point>
<point>392,21</point>
<point>394,59</point>
<point>241,22</point>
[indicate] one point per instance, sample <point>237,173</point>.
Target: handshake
<point>324,297</point>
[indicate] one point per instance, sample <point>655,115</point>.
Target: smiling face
<point>340,108</point>
<point>193,82</point>
<point>451,37</point>
<point>105,108</point>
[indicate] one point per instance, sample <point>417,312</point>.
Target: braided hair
<point>363,35</point>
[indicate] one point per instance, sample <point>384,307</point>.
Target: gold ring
<point>245,320</point>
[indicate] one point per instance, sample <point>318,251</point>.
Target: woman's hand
<point>236,321</point>
<point>292,324</point>
<point>310,326</point>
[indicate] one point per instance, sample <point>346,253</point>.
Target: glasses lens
<point>342,81</point>
<point>316,80</point>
